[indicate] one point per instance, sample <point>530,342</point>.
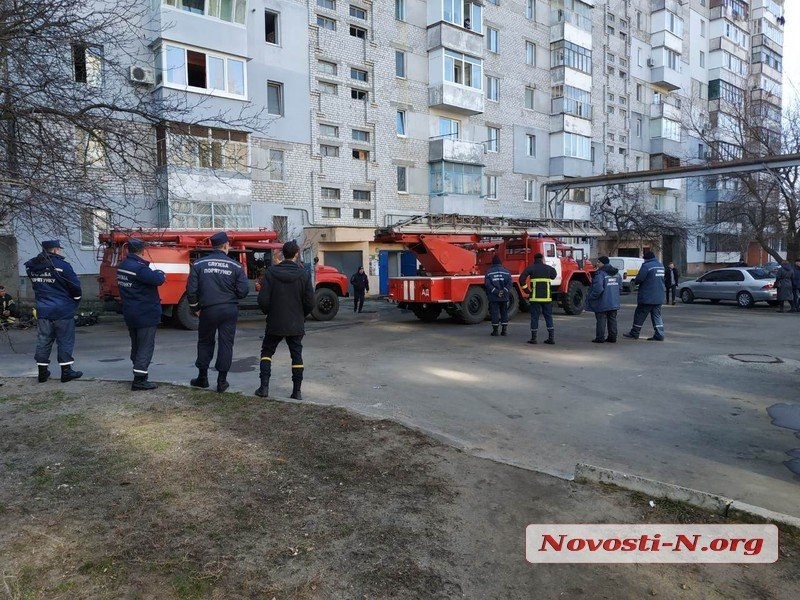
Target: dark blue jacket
<point>498,284</point>
<point>650,280</point>
<point>216,279</point>
<point>56,286</point>
<point>604,291</point>
<point>286,297</point>
<point>138,288</point>
<point>796,277</point>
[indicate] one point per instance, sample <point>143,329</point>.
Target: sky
<point>791,53</point>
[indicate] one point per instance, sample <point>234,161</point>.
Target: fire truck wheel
<point>427,312</point>
<point>575,301</point>
<point>184,317</point>
<point>513,306</point>
<point>326,304</point>
<point>475,306</point>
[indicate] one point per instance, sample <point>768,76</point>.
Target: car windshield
<point>760,274</point>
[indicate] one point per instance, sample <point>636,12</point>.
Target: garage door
<point>346,262</point>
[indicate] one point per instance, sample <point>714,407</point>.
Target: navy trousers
<point>545,308</point>
<point>218,319</point>
<point>143,344</point>
<point>60,331</point>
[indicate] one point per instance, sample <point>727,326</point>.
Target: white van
<point>628,267</point>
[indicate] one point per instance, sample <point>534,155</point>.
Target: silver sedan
<point>743,285</point>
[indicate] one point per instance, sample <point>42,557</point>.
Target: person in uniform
<point>537,278</point>
<point>141,307</point>
<point>650,296</point>
<point>215,286</point>
<point>8,310</point>
<point>604,300</point>
<point>287,298</point>
<point>58,293</point>
<point>360,283</point>
<point>498,286</point>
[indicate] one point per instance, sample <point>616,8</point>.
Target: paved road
<point>682,411</point>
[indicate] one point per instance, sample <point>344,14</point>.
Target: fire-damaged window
<point>87,64</point>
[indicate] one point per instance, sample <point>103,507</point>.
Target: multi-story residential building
<point>377,111</point>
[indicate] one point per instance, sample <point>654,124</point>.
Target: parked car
<point>628,267</point>
<point>771,267</point>
<point>744,285</point>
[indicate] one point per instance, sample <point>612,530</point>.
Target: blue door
<point>408,264</point>
<point>383,272</point>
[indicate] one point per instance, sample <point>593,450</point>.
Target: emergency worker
<point>650,296</point>
<point>536,278</point>
<point>604,300</point>
<point>287,298</point>
<point>360,283</point>
<point>141,308</point>
<point>215,286</point>
<point>498,288</point>
<point>58,293</point>
<point>8,310</point>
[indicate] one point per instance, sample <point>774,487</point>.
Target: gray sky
<point>791,53</point>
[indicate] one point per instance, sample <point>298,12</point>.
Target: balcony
<point>667,78</point>
<point>722,257</point>
<point>666,184</point>
<point>662,145</point>
<point>568,166</point>
<point>570,124</point>
<point>663,110</point>
<point>453,150</point>
<point>759,95</point>
<point>462,204</point>
<point>447,35</point>
<point>458,98</point>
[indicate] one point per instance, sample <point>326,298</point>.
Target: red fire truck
<point>455,255</point>
<point>173,251</point>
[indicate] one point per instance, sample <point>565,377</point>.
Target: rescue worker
<point>141,307</point>
<point>8,310</point>
<point>58,293</point>
<point>215,286</point>
<point>650,296</point>
<point>604,300</point>
<point>498,288</point>
<point>536,278</point>
<point>287,298</point>
<point>360,283</point>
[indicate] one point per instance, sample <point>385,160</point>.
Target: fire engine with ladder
<point>455,251</point>
<point>174,250</point>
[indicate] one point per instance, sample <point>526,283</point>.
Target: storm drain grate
<point>756,358</point>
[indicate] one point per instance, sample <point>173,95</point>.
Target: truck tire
<point>427,312</point>
<point>475,307</point>
<point>326,304</point>
<point>513,305</point>
<point>184,317</point>
<point>575,300</point>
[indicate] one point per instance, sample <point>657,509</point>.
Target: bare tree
<point>74,132</point>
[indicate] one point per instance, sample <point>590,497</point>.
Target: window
<point>623,36</point>
<point>274,98</point>
<point>671,59</point>
<point>622,151</point>
<point>577,146</point>
<point>639,94</point>
<point>360,135</point>
<point>455,178</point>
<point>492,88</point>
<point>567,54</point>
<point>698,243</point>
<point>361,195</point>
<point>449,128</point>
<point>530,53</point>
<point>210,215</point>
<point>462,13</point>
<point>702,28</point>
<point>402,180</point>
<point>358,74</point>
<point>530,145</point>
<point>530,190</point>
<point>87,63</point>
<point>327,68</point>
<point>400,10</point>
<point>399,64</point>
<point>326,150</point>
<point>329,212</point>
<point>492,39</point>
<point>326,87</point>
<point>209,148</point>
<point>359,154</point>
<point>326,23</point>
<point>329,193</point>
<point>362,213</point>
<point>184,67</point>
<point>329,130</point>
<point>232,11</point>
<point>400,123</point>
<point>623,74</point>
<point>94,221</point>
<point>358,94</point>
<point>91,151</point>
<point>610,109</point>
<point>358,32</point>
<point>665,128</point>
<point>530,9</point>
<point>490,189</point>
<point>575,101</point>
<point>674,24</point>
<point>463,69</point>
<point>493,136</point>
<point>276,165</point>
<point>271,24</point>
<point>702,58</point>
<point>331,4</point>
<point>358,12</point>
<point>280,225</point>
<point>529,97</point>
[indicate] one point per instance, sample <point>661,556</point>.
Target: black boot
<point>297,380</point>
<point>222,382</point>
<point>494,330</point>
<point>68,374</point>
<point>551,338</point>
<point>504,330</point>
<point>140,383</point>
<point>201,380</point>
<point>533,337</point>
<point>266,371</point>
<point>44,373</point>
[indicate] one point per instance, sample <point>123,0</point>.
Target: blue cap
<point>219,238</point>
<point>135,245</point>
<point>50,244</point>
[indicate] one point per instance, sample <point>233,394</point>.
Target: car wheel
<point>744,299</point>
<point>427,313</point>
<point>687,297</point>
<point>184,317</point>
<point>513,304</point>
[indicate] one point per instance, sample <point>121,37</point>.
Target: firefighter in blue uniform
<point>498,286</point>
<point>58,293</point>
<point>141,307</point>
<point>537,277</point>
<point>215,286</point>
<point>604,300</point>
<point>650,280</point>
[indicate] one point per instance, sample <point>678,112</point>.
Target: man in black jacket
<point>536,278</point>
<point>671,279</point>
<point>286,297</point>
<point>360,283</point>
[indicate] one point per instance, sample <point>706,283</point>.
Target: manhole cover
<point>756,358</point>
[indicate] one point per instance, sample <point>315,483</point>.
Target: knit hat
<point>649,255</point>
<point>496,260</point>
<point>51,244</point>
<point>135,245</point>
<point>219,238</point>
<point>604,260</point>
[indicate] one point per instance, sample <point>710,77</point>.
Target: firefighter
<point>649,299</point>
<point>604,300</point>
<point>287,298</point>
<point>536,279</point>
<point>58,293</point>
<point>8,310</point>
<point>360,283</point>
<point>215,286</point>
<point>141,307</point>
<point>498,288</point>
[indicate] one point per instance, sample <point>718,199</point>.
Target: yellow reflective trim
<point>297,366</point>
<point>534,283</point>
<point>269,358</point>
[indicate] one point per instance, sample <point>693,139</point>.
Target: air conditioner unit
<point>651,62</point>
<point>140,74</point>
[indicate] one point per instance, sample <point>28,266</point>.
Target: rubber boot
<point>140,383</point>
<point>68,374</point>
<point>266,371</point>
<point>533,337</point>
<point>494,330</point>
<point>201,380</point>
<point>297,380</point>
<point>504,330</point>
<point>44,373</point>
<point>551,336</point>
<point>222,382</point>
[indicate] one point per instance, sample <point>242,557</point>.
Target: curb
<point>721,505</point>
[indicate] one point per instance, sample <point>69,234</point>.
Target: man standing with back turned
<point>537,277</point>
<point>650,296</point>
<point>216,284</point>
